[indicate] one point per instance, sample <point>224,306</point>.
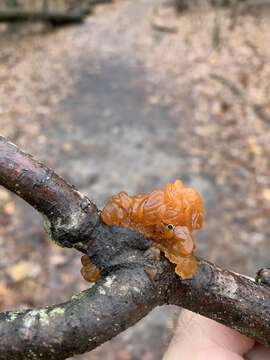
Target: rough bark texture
<point>69,216</point>
<point>81,324</point>
<point>227,297</point>
<point>136,277</point>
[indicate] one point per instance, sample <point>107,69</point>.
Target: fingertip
<point>196,333</point>
<point>221,335</point>
<point>258,352</point>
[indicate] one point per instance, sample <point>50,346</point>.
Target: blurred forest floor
<point>133,98</point>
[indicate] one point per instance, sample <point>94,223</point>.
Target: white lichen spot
<point>30,319</point>
<point>58,311</point>
<point>78,296</point>
<point>36,315</point>
<point>136,289</point>
<point>14,315</point>
<point>74,220</point>
<point>124,288</point>
<point>109,281</point>
<point>102,291</point>
<point>44,317</point>
<point>231,288</point>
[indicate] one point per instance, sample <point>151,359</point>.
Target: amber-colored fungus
<point>89,271</point>
<point>166,216</point>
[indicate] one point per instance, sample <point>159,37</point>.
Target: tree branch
<point>81,324</point>
<point>70,216</point>
<point>136,277</point>
<point>229,298</point>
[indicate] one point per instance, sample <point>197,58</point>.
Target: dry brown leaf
<point>266,194</point>
<point>23,270</point>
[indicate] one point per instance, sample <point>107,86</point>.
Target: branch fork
<point>135,277</point>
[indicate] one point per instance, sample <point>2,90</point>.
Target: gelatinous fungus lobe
<point>166,216</point>
<point>89,271</point>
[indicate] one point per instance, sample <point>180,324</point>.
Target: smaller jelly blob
<point>89,271</point>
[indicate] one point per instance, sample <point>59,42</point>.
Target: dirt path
<point>120,137</point>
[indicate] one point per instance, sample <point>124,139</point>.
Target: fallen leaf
<point>23,270</point>
<point>266,194</point>
<point>67,147</point>
<point>254,148</point>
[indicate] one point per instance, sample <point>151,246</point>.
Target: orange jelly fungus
<point>166,216</point>
<point>89,271</point>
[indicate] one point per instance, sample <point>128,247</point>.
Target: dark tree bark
<point>69,215</point>
<point>135,276</point>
